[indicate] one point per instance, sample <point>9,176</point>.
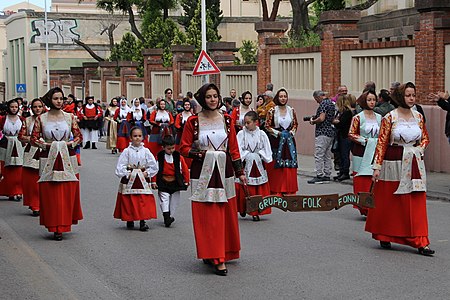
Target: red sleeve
<point>2,122</point>
<point>23,133</point>
<point>172,121</point>
<point>234,115</point>
<point>69,108</point>
<point>233,147</point>
<point>81,113</point>
<point>77,136</point>
<point>153,117</point>
<point>37,132</point>
<point>178,121</point>
<point>144,115</point>
<point>187,138</point>
<point>100,112</point>
<point>184,169</point>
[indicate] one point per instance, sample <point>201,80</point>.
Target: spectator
<point>369,86</point>
<point>194,103</point>
<point>143,105</point>
<point>394,85</point>
<point>443,100</point>
<point>170,103</point>
<point>269,90</point>
<point>383,105</point>
<point>324,135</point>
<point>233,94</point>
<point>228,105</point>
<point>342,90</point>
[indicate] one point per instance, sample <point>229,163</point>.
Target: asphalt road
<point>313,255</point>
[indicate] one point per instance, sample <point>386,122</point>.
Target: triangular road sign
<point>205,65</point>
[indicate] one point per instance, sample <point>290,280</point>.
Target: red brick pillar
<point>128,69</point>
<point>270,36</point>
<point>430,40</point>
<point>152,62</point>
<point>76,78</point>
<point>222,53</point>
<point>90,72</point>
<point>107,72</point>
<point>339,27</point>
<point>183,58</point>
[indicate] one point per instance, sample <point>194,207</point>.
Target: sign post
<point>205,77</point>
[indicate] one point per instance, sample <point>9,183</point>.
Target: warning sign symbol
<point>21,88</point>
<point>205,65</point>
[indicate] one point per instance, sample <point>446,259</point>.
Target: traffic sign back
<point>205,65</point>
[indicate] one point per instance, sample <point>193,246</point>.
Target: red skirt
<point>30,179</point>
<point>399,219</point>
<point>361,184</point>
<point>263,190</point>
<point>122,143</point>
<point>60,205</point>
<point>11,185</point>
<point>135,207</point>
<point>216,230</point>
<point>282,180</point>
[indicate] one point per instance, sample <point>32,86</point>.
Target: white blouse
<point>162,116</point>
<point>371,128</point>
<point>137,157</point>
<point>285,121</point>
<point>212,136</point>
<point>56,131</point>
<point>406,132</point>
<point>12,128</point>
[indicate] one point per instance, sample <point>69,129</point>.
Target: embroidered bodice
<point>124,110</point>
<point>406,132</point>
<point>56,130</point>
<point>162,116</point>
<point>136,157</point>
<point>284,120</point>
<point>212,136</point>
<point>137,113</point>
<point>12,128</point>
<point>371,128</point>
<point>184,116</point>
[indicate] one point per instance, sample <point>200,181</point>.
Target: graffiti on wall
<point>58,31</point>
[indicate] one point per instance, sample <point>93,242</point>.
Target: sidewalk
<point>438,184</point>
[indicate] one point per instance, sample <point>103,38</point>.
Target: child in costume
<point>135,200</point>
<point>172,177</point>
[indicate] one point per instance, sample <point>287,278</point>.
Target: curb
<point>431,195</point>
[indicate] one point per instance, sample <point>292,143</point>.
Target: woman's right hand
<point>375,175</point>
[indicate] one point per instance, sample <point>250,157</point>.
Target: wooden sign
<point>297,203</point>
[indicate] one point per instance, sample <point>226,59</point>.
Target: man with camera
<point>324,134</point>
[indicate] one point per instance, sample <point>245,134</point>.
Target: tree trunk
<point>273,14</point>
<point>363,6</point>
<point>111,29</point>
<point>300,18</point>
<point>89,50</point>
<point>264,10</point>
<point>132,22</point>
<point>165,14</point>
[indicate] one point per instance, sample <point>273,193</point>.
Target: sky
<point>5,3</point>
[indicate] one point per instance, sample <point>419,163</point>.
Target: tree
<point>300,13</point>
<point>274,12</point>
<point>249,53</point>
<point>212,8</point>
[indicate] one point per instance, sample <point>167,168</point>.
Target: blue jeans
<point>344,149</point>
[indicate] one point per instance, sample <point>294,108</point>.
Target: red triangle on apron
<point>36,155</point>
<point>254,171</point>
<point>137,184</point>
<point>59,165</point>
<point>215,182</point>
<point>14,152</point>
<point>415,173</point>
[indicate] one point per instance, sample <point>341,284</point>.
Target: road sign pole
<point>46,46</point>
<point>205,78</point>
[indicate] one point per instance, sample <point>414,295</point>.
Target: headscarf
<point>276,99</point>
<point>47,98</point>
<point>398,95</point>
<point>200,95</point>
<point>8,110</point>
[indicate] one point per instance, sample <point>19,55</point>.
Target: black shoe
<point>223,272</point>
<point>426,251</point>
<point>15,198</point>
<point>316,179</point>
<point>130,224</point>
<point>242,214</point>
<point>35,213</point>
<point>336,178</point>
<point>57,236</point>
<point>87,146</point>
<point>326,179</point>
<point>343,177</point>
<point>256,218</point>
<point>207,262</point>
<point>168,220</point>
<point>385,245</point>
<point>143,226</point>
<point>93,146</point>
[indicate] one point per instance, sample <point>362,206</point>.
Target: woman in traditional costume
<point>363,132</point>
<point>238,113</point>
<point>180,120</point>
<point>30,171</point>
<point>123,126</point>
<point>59,185</point>
<point>90,115</point>
<point>111,140</point>
<point>281,126</point>
<point>135,167</point>
<point>11,152</point>
<point>161,120</point>
<point>255,151</point>
<point>137,117</point>
<point>210,139</point>
<point>400,215</point>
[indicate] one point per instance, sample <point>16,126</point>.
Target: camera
<point>307,118</point>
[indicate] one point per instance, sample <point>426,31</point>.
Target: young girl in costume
<point>11,152</point>
<point>30,171</point>
<point>172,177</point>
<point>135,200</point>
<point>254,147</point>
<point>239,112</point>
<point>123,126</point>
